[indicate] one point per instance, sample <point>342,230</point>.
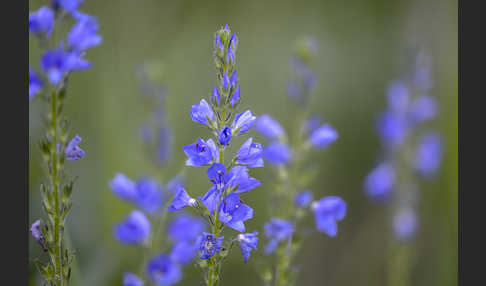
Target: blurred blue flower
<point>123,187</point>
<point>243,122</point>
<point>35,83</point>
<point>56,63</point>
<point>398,97</point>
<point>209,245</point>
<point>215,97</point>
<point>303,199</point>
<point>134,229</point>
<point>83,34</point>
<point>182,252</point>
<point>235,97</point>
<point>181,200</point>
<point>200,153</point>
<point>392,128</point>
<point>224,136</point>
<point>250,154</point>
<point>233,212</point>
<point>201,112</point>
<point>73,152</point>
<point>41,21</point>
<point>313,123</point>
<point>277,230</point>
<point>233,79</point>
<point>327,211</point>
<point>163,271</point>
<point>323,136</point>
<point>248,242</point>
<point>405,224</point>
<point>423,108</point>
<point>428,156</point>
<point>226,81</point>
<point>380,181</point>
<point>277,153</point>
<point>149,195</point>
<point>269,127</point>
<point>130,279</point>
<point>185,227</point>
<point>67,5</point>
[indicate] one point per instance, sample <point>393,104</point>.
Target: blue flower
<point>224,136</point>
<point>323,136</point>
<point>56,63</point>
<point>243,122</point>
<point>219,44</point>
<point>248,242</point>
<point>215,97</point>
<point>303,199</point>
<point>422,109</point>
<point>185,228</point>
<point>428,156</point>
<point>233,80</point>
<point>233,212</point>
<point>269,127</point>
<point>134,229</point>
<point>181,200</point>
<point>392,128</point>
<point>240,181</point>
<point>216,174</point>
<point>36,231</point>
<point>209,245</point>
<point>182,252</point>
<point>235,97</point>
<point>211,198</point>
<point>67,5</point>
<point>277,153</point>
<point>163,271</point>
<point>327,211</point>
<point>277,230</point>
<point>202,112</point>
<point>173,184</point>
<point>73,152</point>
<point>83,34</point>
<point>41,21</point>
<point>398,97</point>
<point>35,83</point>
<point>200,153</point>
<point>149,195</point>
<point>380,181</point>
<point>130,279</point>
<point>405,224</point>
<point>313,123</point>
<point>123,187</point>
<point>226,81</point>
<point>250,153</point>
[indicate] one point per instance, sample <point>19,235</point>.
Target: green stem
<point>55,184</point>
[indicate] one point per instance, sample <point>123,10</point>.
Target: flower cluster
<point>292,199</point>
<point>222,204</point>
<point>409,145</point>
<point>58,61</point>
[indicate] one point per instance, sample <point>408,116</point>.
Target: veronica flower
<point>429,154</point>
<point>233,212</point>
<point>380,181</point>
<point>181,200</point>
<point>83,35</point>
<point>219,44</point>
<point>182,252</point>
<point>57,63</point>
<point>423,108</point>
<point>224,136</point>
<point>277,153</point>
<point>200,153</point>
<point>392,128</point>
<point>269,127</point>
<point>303,199</point>
<point>226,81</point>
<point>209,245</point>
<point>216,174</point>
<point>211,198</point>
<point>73,152</point>
<point>36,231</point>
<point>134,229</point>
<point>202,112</point>
<point>130,279</point>
<point>215,97</point>
<point>243,122</point>
<point>35,83</point>
<point>323,136</point>
<point>248,242</point>
<point>405,224</point>
<point>240,181</point>
<point>149,195</point>
<point>233,79</point>
<point>185,228</point>
<point>235,97</point>
<point>41,21</point>
<point>67,5</point>
<point>123,187</point>
<point>163,271</point>
<point>277,230</point>
<point>313,123</point>
<point>250,153</point>
<point>327,211</point>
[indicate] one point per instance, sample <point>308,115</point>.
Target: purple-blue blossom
<point>277,153</point>
<point>123,187</point>
<point>134,229</point>
<point>130,279</point>
<point>56,63</point>
<point>423,108</point>
<point>243,122</point>
<point>200,153</point>
<point>392,128</point>
<point>202,112</point>
<point>163,271</point>
<point>269,127</point>
<point>35,83</point>
<point>398,97</point>
<point>83,34</point>
<point>323,136</point>
<point>36,231</point>
<point>41,21</point>
<point>240,181</point>
<point>185,227</point>
<point>209,245</point>
<point>277,230</point>
<point>67,5</point>
<point>181,200</point>
<point>303,199</point>
<point>428,156</point>
<point>405,224</point>
<point>215,97</point>
<point>248,242</point>
<point>73,152</point>
<point>183,251</point>
<point>250,154</point>
<point>235,97</point>
<point>149,195</point>
<point>233,212</point>
<point>327,211</point>
<point>224,135</point>
<point>380,181</point>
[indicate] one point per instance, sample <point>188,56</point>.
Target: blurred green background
<point>362,46</point>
